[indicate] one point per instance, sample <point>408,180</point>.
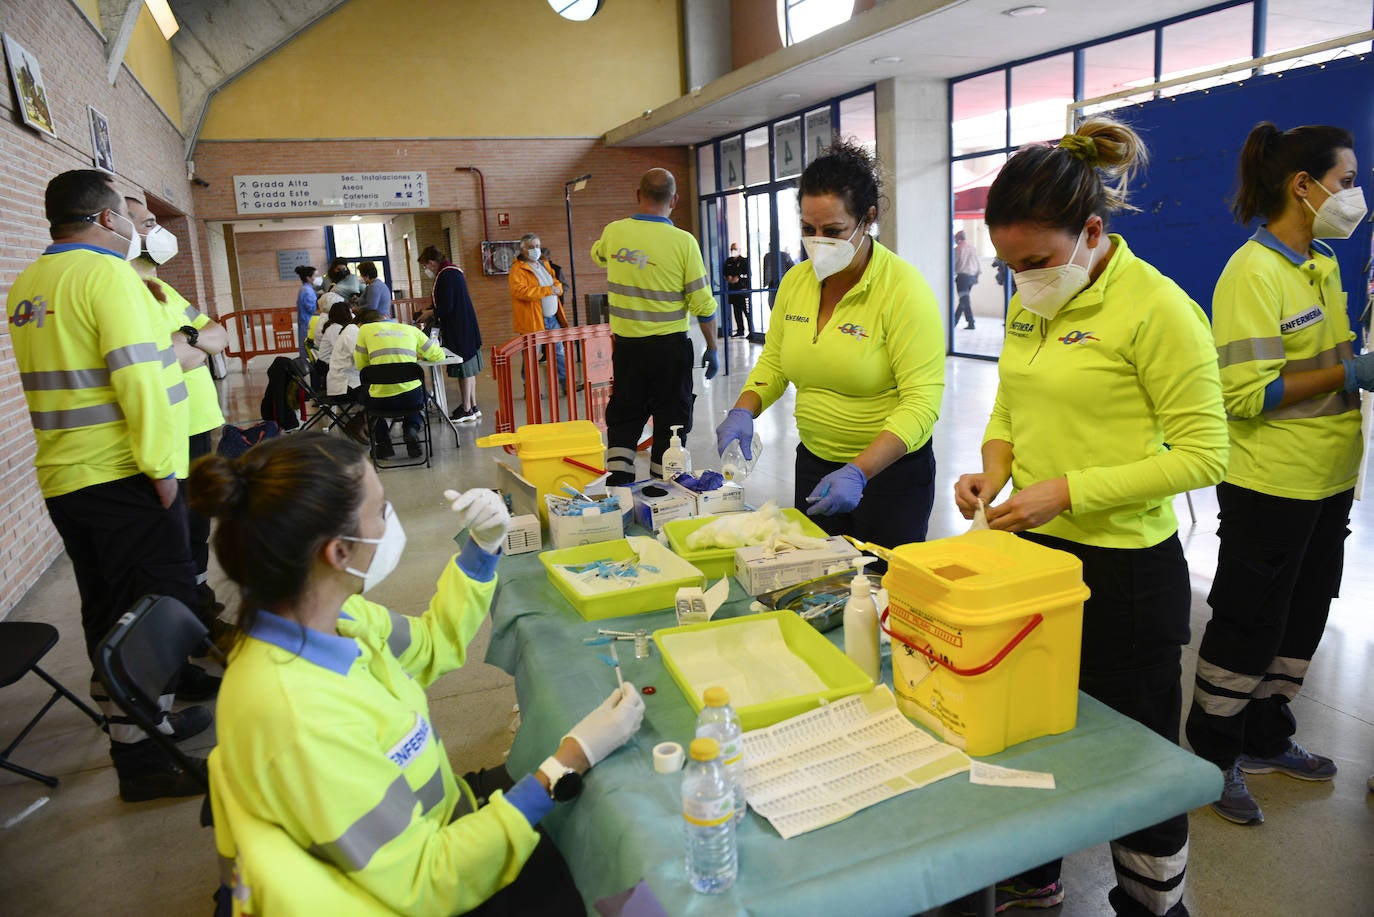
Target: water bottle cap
<point>704,749</point>
<point>716,697</point>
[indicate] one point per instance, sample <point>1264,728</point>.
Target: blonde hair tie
<point>1080,147</point>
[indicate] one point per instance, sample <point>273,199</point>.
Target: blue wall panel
<point>1185,227</point>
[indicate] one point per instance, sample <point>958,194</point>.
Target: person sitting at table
<point>381,341</point>
<point>325,732</point>
<point>326,337</point>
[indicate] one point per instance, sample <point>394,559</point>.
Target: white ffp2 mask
<point>830,256</point>
<point>390,547</point>
<point>1339,214</point>
<point>1046,290</point>
<point>160,245</point>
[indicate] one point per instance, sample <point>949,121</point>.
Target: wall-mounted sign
<point>366,191</point>
<point>287,261</point>
<point>787,148</point>
<point>732,162</point>
<point>818,134</point>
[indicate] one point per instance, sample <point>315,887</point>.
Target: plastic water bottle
<point>719,721</point>
<point>708,816</point>
<point>733,465</point>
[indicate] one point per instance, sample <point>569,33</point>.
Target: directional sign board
<point>367,191</point>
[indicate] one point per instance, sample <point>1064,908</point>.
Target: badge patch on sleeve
<point>1302,320</point>
<point>411,744</point>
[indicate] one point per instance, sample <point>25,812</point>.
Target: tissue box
<point>728,498</point>
<point>653,512</point>
<point>588,528</point>
<point>759,571</point>
<point>524,534</point>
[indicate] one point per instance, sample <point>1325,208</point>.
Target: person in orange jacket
<point>535,298</point>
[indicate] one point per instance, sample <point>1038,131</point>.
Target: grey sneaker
<point>1236,804</point>
<point>1296,761</point>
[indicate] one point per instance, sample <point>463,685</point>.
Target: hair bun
<point>217,486</point>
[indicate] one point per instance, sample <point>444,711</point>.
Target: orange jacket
<point>526,294</point>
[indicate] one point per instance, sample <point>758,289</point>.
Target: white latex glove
<point>483,513</point>
<point>609,726</point>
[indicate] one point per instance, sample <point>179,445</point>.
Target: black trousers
<point>739,307</point>
<point>1278,568</point>
<point>123,546</point>
<point>963,283</point>
<point>405,401</point>
<point>895,507</point>
<point>1135,625</point>
<point>653,377</point>
<point>198,525</point>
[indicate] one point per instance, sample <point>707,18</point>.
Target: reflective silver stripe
<point>392,352</point>
<point>1325,406</point>
<point>192,313</point>
<point>399,640</point>
<point>1329,357</point>
<point>1289,665</point>
<point>359,349</point>
<point>1247,349</point>
<point>76,417</point>
<point>355,848</point>
<point>644,315</point>
<point>1224,678</point>
<point>1238,689</point>
<point>655,469</point>
<point>620,452</point>
<point>169,357</point>
<point>56,380</point>
<point>624,289</point>
<point>1284,677</point>
<point>177,393</point>
<point>121,357</point>
<point>1168,871</point>
<point>432,793</point>
<point>695,285</point>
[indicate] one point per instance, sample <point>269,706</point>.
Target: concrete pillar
<point>705,40</point>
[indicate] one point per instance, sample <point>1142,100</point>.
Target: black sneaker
<point>196,684</point>
<point>412,437</point>
<point>190,722</point>
<point>161,780</point>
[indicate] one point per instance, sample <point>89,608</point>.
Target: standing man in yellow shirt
<point>103,387</point>
<point>655,278</point>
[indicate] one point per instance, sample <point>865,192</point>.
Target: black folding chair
<point>22,645</point>
<point>390,374</point>
<point>141,658</point>
<point>340,410</point>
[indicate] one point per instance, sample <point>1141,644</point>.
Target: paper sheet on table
<point>991,775</point>
<point>749,659</point>
<point>823,766</point>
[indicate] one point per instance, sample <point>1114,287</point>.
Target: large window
<point>359,242</point>
<point>798,20</point>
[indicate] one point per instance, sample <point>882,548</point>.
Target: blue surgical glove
<point>838,492</point>
<point>708,360</point>
<point>1359,372</point>
<point>738,425</point>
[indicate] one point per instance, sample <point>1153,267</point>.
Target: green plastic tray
<point>719,562</point>
<point>631,599</point>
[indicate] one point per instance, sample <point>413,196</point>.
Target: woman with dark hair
<point>1108,405</point>
<point>324,729</point>
<point>306,301</point>
<point>1291,385</point>
<point>857,331</point>
<point>451,306</point>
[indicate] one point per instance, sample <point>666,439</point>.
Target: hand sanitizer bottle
<point>861,623</point>
<point>675,459</point>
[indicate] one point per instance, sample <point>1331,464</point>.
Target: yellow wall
<point>149,58</point>
<point>91,8</point>
<point>437,68</point>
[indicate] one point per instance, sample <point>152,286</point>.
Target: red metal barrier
<point>258,332</point>
<point>588,353</point>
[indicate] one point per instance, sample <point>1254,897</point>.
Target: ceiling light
<point>886,59</point>
<point>162,15</point>
<point>789,96</point>
<point>355,219</point>
<point>1024,11</point>
<point>719,122</point>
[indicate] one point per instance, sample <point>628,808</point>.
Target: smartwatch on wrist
<point>192,335</point>
<point>564,782</point>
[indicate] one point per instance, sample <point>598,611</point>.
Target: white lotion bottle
<point>861,623</point>
<point>675,458</point>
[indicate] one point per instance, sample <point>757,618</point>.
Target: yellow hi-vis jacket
<point>1277,311</point>
<point>105,394</point>
<point>654,276</point>
<point>392,342</point>
<point>312,334</point>
<point>1119,394</point>
<point>328,740</point>
<point>204,412</point>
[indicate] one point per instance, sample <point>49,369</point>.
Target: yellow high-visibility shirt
<point>655,276</point>
<point>1277,311</point>
<point>204,412</point>
<point>878,364</point>
<point>105,394</point>
<point>392,342</point>
<point>1119,394</point>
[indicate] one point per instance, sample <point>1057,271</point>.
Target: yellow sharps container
<point>987,630</point>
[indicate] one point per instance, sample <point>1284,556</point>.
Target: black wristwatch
<point>564,782</point>
<point>192,335</point>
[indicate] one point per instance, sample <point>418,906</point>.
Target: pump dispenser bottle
<point>676,460</point>
<point>861,623</point>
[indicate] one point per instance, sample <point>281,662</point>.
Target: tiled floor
<point>85,850</point>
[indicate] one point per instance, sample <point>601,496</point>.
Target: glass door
<point>758,239</point>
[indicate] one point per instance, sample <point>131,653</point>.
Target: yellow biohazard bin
<point>986,634</point>
<point>542,447</point>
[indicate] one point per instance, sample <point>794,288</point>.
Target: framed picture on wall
<point>27,78</point>
<point>497,257</point>
<point>100,141</point>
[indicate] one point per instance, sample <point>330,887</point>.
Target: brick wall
<point>259,283</point>
<point>147,154</point>
<point>524,177</point>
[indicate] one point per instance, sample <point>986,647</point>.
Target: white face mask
<point>830,256</point>
<point>390,547</point>
<point>533,254</point>
<point>429,274</point>
<point>1046,290</point>
<point>160,245</point>
<point>134,248</point>
<point>1339,214</point>
<point>317,282</point>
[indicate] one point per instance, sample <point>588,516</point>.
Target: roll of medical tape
<point>667,757</point>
